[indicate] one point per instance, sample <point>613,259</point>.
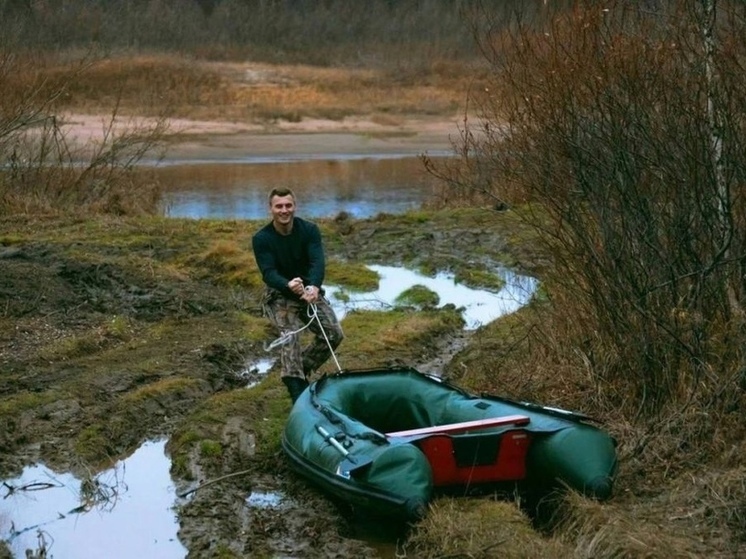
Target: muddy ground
<point>115,331</point>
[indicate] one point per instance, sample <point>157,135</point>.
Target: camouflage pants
<point>289,315</point>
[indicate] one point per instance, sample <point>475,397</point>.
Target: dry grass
<point>228,263</point>
<point>680,489</point>
<point>695,515</point>
<point>479,529</point>
<point>149,85</point>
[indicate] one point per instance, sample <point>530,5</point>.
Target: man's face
<point>282,209</point>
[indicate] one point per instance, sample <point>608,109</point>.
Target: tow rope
<point>287,335</point>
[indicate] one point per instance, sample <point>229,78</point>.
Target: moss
<point>353,276</point>
<point>209,448</point>
<point>418,296</point>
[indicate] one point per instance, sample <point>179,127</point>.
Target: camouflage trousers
<point>290,315</point>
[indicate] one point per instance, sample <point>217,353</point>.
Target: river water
<point>362,187</point>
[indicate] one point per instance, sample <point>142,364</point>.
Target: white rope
<point>287,335</point>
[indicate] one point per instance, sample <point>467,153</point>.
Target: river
<point>361,187</point>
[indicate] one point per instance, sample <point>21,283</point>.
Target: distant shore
<point>215,140</point>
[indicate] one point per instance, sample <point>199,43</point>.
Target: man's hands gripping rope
<point>309,294</point>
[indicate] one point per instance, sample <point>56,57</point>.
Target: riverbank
<point>311,138</point>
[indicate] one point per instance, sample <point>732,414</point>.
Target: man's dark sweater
<point>283,257</point>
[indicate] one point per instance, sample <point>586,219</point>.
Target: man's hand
<point>296,286</point>
<point>310,294</point>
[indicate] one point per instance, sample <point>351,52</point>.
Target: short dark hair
<point>280,192</point>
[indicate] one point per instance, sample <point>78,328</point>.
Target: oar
<point>350,462</point>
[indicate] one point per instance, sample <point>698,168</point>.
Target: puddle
<point>123,512</point>
<point>255,372</point>
<point>264,499</point>
<point>479,306</point>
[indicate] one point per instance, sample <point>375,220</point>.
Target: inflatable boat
<point>387,440</point>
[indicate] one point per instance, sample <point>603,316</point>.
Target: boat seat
<point>463,426</point>
<point>459,454</point>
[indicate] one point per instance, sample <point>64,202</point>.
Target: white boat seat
<point>463,426</point>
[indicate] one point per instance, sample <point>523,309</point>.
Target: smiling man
<point>290,255</point>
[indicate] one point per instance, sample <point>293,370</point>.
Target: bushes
<point>625,128</point>
<point>44,173</point>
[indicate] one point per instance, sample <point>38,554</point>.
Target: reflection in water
<point>362,188</point>
<point>124,512</point>
<point>479,306</point>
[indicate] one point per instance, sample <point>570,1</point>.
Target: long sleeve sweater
<point>281,258</point>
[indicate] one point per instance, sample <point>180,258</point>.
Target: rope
<point>287,335</point>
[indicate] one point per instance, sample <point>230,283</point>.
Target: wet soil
<point>115,331</point>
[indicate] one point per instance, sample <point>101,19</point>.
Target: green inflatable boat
<point>386,440</point>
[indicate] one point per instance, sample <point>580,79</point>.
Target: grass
<point>479,528</point>
<point>419,297</point>
<point>149,85</point>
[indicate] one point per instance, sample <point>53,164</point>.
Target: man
<point>290,255</point>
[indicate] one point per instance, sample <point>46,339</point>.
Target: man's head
<point>282,208</point>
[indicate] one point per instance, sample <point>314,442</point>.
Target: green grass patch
<point>210,449</point>
<point>418,296</point>
<point>352,276</point>
<point>377,337</point>
<point>478,278</point>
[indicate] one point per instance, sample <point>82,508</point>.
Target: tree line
<point>308,31</point>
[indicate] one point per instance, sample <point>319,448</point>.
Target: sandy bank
<point>214,140</point>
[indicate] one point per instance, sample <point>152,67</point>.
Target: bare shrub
<point>624,129</point>
<point>43,172</point>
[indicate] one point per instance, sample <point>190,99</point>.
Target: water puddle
<point>256,371</point>
<point>479,306</point>
<point>264,499</point>
<point>123,512</point>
